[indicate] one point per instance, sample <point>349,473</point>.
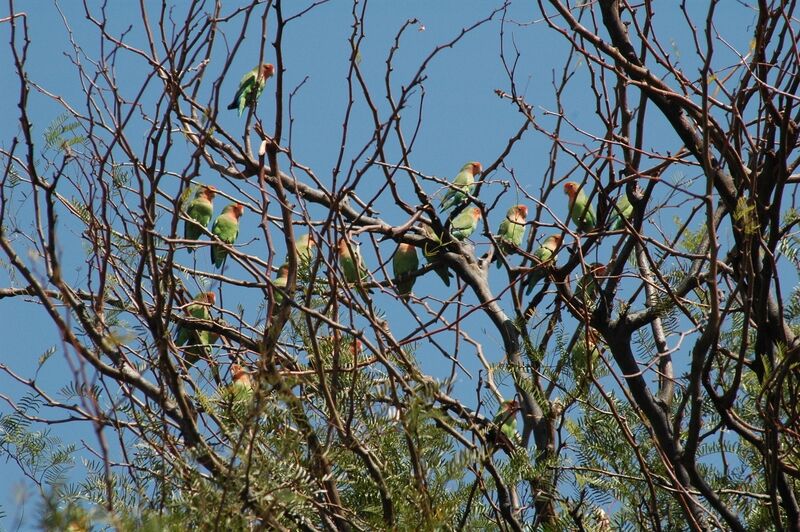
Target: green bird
<point>226,228</point>
<point>463,184</point>
<point>465,223</point>
<point>583,359</point>
<point>506,419</point>
<point>352,266</point>
<point>542,257</point>
<point>199,211</point>
<point>431,252</point>
<point>622,212</point>
<point>280,282</point>
<point>251,86</point>
<point>241,389</point>
<point>405,261</point>
<point>588,285</point>
<point>512,230</point>
<point>305,246</point>
<point>241,378</point>
<point>199,342</point>
<point>579,209</point>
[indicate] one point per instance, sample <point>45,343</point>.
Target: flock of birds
<point>405,261</point>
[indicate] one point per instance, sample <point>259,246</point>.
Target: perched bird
<point>304,246</point>
<point>199,342</point>
<point>542,257</point>
<point>200,211</point>
<point>463,184</point>
<point>226,228</point>
<point>583,358</point>
<point>351,263</point>
<point>506,419</point>
<point>579,209</point>
<point>512,230</point>
<point>616,220</point>
<point>405,261</point>
<point>241,389</point>
<point>241,378</point>
<point>251,86</point>
<point>431,252</point>
<point>280,283</point>
<point>465,223</point>
<point>588,285</point>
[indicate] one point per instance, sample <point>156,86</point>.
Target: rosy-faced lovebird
<point>541,258</point>
<point>199,342</point>
<point>199,211</point>
<point>588,285</point>
<point>241,389</point>
<point>352,266</point>
<point>226,228</point>
<point>512,230</point>
<point>584,356</point>
<point>579,209</point>
<point>405,261</point>
<point>465,223</point>
<point>241,378</point>
<point>280,283</point>
<point>620,213</point>
<point>304,246</point>
<point>506,420</point>
<point>431,252</point>
<point>463,184</point>
<point>251,86</point>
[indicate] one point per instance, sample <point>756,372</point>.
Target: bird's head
<point>209,192</point>
<point>210,297</point>
<point>283,271</point>
<point>239,374</point>
<point>597,269</point>
<point>237,209</point>
<point>357,346</point>
<point>404,247</point>
<point>475,167</point>
<point>476,213</point>
<point>511,407</point>
<point>555,240</point>
<point>522,211</point>
<point>571,189</point>
<point>267,70</point>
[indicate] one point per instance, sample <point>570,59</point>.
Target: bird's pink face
<point>477,168</point>
<point>357,347</point>
<point>599,270</point>
<point>557,240</point>
<point>522,211</point>
<point>570,189</point>
<point>267,70</point>
<point>209,192</point>
<point>512,406</point>
<point>239,373</point>
<point>238,210</point>
<point>283,271</point>
<point>476,213</point>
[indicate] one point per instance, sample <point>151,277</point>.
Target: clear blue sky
<point>463,120</point>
